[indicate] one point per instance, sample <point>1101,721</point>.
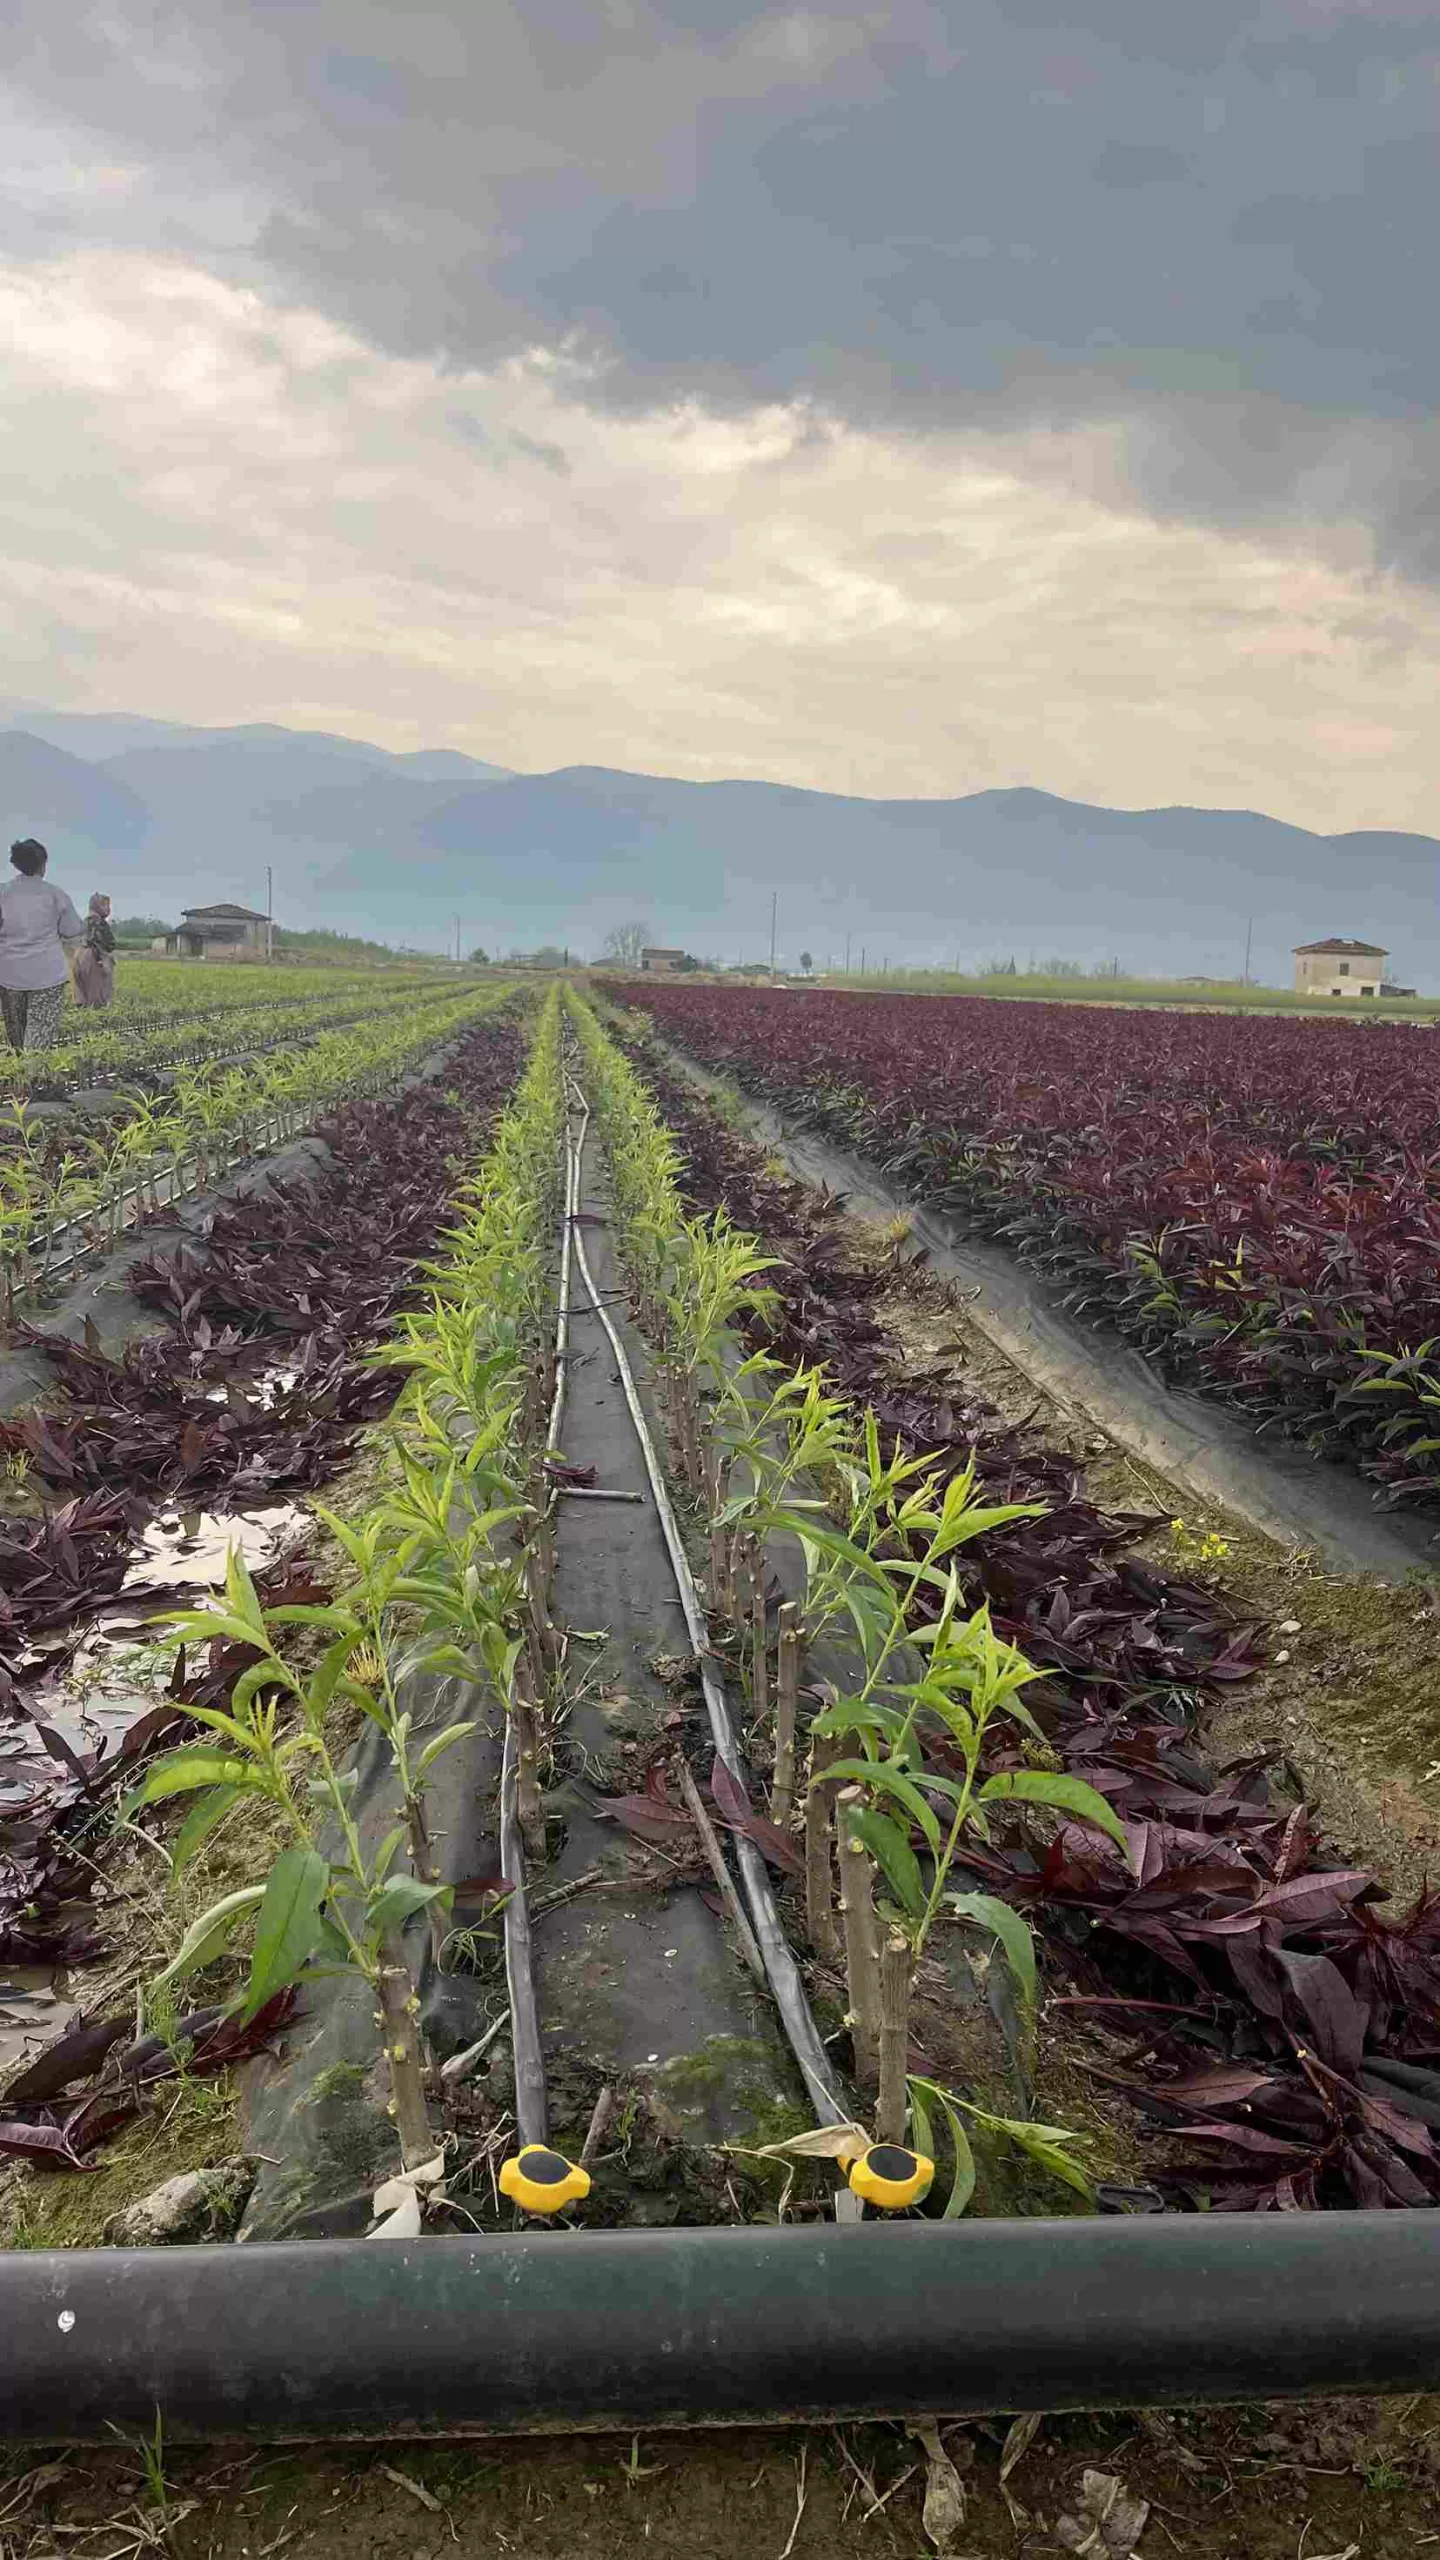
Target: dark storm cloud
<point>1210,222</point>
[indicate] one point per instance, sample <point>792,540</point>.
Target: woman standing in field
<point>94,967</point>
<point>36,923</point>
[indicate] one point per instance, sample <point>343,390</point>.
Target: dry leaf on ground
<point>1110,2521</point>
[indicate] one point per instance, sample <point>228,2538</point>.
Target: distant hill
<point>42,789</point>
<point>399,845</point>
<point>99,735</point>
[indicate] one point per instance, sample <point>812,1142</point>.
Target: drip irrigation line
<point>781,1969</point>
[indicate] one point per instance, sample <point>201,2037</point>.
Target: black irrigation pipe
<point>543,2334</point>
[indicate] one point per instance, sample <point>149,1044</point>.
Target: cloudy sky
<point>905,399</point>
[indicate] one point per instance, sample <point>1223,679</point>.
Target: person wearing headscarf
<point>94,966</point>
<point>36,924</point>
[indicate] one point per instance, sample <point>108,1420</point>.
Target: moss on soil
<point>193,2126</point>
<point>725,2080</point>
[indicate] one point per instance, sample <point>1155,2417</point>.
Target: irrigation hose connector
<point>887,2175</point>
<point>543,2181</point>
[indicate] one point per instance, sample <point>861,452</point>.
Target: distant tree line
<point>318,942</point>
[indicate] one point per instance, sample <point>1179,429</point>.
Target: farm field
<point>1083,987</point>
<point>659,1869</point>
<point>170,1013</point>
<point>172,1093</point>
<point>1068,1671</point>
<point>1256,1203</point>
<point>256,1386</point>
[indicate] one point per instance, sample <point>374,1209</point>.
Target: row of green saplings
<point>461,1555</point>
<point>764,1452</point>
<point>449,1575</point>
<point>135,1036</point>
<point>168,1144</point>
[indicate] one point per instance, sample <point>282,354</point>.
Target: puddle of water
<point>32,2015</point>
<point>176,1551</point>
<point>184,1549</point>
<point>120,1668</point>
<point>263,1393</point>
<point>122,1664</point>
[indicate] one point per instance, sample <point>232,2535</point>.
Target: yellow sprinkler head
<point>542,2180</point>
<point>888,2175</point>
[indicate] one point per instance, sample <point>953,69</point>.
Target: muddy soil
<point>1333,2481</point>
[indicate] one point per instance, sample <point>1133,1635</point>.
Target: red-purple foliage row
<point>1289,2025</point>
<point>1255,1200</point>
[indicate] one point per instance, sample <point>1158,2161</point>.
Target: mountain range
<point>164,815</point>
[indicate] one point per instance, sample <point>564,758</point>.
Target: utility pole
<point>847,955</point>
<point>1249,930</point>
<point>269,911</point>
<point>862,959</point>
<point>774,906</point>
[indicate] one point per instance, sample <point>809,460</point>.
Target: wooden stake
<point>544,1537</point>
<point>759,1641</point>
<point>599,2125</point>
<point>738,1582</point>
<point>719,1583</point>
<point>535,1653</point>
<point>819,1866</point>
<point>894,2039</point>
<point>402,2057</point>
<point>715,1858</point>
<point>690,1439</point>
<point>422,1859</point>
<point>539,1599</point>
<point>529,1806</point>
<point>787,1692</point>
<point>674,1413</point>
<point>862,1947</point>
